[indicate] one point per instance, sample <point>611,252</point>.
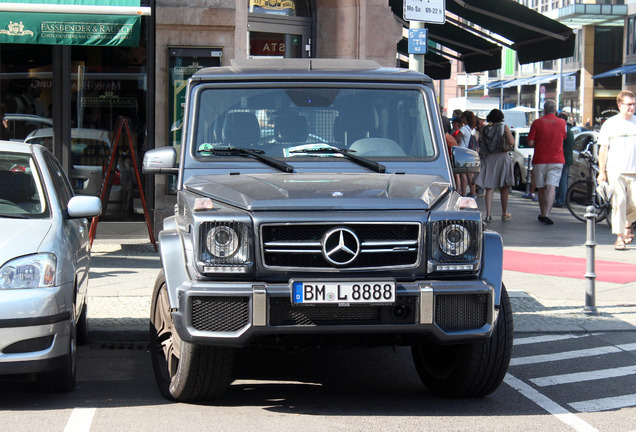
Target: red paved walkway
<point>555,265</point>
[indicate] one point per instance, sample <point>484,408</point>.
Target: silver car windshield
<point>295,123</point>
<point>21,192</point>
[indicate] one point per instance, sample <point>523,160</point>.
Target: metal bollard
<point>590,272</point>
<point>528,177</point>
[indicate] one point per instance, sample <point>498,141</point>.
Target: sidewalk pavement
<point>123,273</point>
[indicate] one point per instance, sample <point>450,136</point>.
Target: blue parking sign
<point>418,41</point>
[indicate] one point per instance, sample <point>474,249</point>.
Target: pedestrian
<point>466,132</point>
<point>617,166</point>
<point>495,143</point>
<point>450,143</point>
<point>456,124</point>
<point>546,136</point>
<point>568,146</point>
<point>446,123</point>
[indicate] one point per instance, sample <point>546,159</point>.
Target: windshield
<point>295,122</point>
<point>21,191</point>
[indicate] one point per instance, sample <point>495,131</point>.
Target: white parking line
<point>566,355</point>
<point>80,420</point>
<point>584,376</point>
<point>547,338</point>
<point>605,404</point>
<point>549,405</point>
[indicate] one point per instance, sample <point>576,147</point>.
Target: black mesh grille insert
<point>282,313</point>
<point>461,312</point>
<point>220,314</point>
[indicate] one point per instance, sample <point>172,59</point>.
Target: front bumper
<point>237,314</point>
<point>35,329</point>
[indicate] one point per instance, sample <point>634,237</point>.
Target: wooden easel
<point>122,123</point>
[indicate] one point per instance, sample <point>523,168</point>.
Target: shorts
<point>547,174</point>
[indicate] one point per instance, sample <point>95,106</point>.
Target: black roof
<point>310,69</point>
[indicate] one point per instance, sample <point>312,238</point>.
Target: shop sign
<point>277,7</point>
<point>71,28</point>
<point>431,11</point>
<point>109,100</point>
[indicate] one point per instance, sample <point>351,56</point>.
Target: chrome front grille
<point>381,245</point>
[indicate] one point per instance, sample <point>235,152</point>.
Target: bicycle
<point>582,193</point>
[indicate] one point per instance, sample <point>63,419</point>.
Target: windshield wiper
<point>258,154</point>
<point>367,163</point>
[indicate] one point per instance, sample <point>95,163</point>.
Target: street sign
<point>430,11</point>
<point>418,41</point>
<point>569,83</point>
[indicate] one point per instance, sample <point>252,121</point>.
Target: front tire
<point>61,380</point>
<point>519,184</point>
<point>468,370</point>
<point>579,196</point>
<point>184,371</point>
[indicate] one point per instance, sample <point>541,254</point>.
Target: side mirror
<point>160,161</point>
<point>465,160</point>
<point>84,206</point>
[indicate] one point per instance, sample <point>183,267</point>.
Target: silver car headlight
<point>455,246</point>
<point>32,271</point>
<point>224,247</point>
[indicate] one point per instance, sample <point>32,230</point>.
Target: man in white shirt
<point>617,166</point>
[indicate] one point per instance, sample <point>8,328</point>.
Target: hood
<point>21,237</point>
<point>354,191</point>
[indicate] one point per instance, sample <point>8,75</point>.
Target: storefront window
<point>25,90</point>
<point>108,91</point>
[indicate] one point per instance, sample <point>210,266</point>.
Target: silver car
<point>44,266</point>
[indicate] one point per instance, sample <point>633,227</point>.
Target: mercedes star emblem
<point>340,246</point>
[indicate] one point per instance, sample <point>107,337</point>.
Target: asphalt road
<point>580,382</point>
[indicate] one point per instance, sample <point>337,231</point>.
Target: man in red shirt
<point>546,136</point>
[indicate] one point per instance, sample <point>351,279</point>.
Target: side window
<point>60,180</point>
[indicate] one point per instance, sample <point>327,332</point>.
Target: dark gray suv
<point>316,206</point>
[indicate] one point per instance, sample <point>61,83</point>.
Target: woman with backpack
<point>495,143</point>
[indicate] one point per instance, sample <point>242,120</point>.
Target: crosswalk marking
<point>584,376</point>
<point>549,405</point>
<point>567,355</point>
<point>547,338</point>
<point>605,404</point>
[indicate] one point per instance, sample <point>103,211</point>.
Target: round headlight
<point>454,240</point>
<point>222,241</point>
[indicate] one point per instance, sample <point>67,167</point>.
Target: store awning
<point>623,70</point>
<point>534,36</point>
<point>543,79</point>
<point>71,22</point>
<point>489,85</point>
<point>477,53</point>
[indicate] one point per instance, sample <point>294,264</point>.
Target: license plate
<point>343,292</point>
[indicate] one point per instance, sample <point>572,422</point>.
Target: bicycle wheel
<point>581,195</point>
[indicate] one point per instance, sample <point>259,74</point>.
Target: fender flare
<point>173,263</point>
<point>492,262</point>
